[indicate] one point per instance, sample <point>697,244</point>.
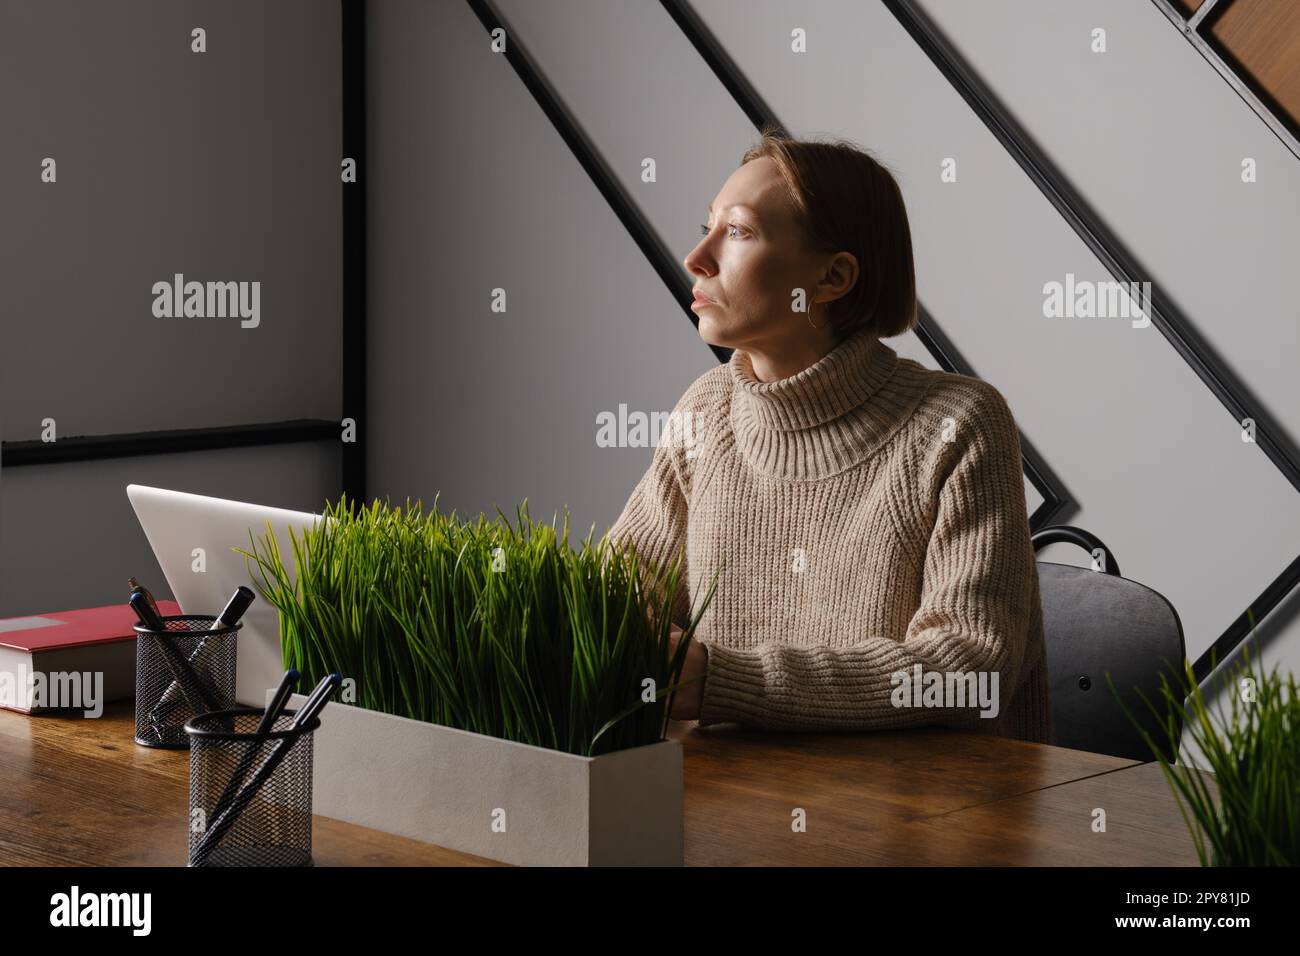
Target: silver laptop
<point>178,523</point>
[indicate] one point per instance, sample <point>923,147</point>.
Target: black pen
<point>135,585</point>
<point>315,703</point>
<point>264,727</point>
<point>195,693</point>
<point>147,615</point>
<point>229,617</point>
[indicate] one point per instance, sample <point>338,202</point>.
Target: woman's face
<point>750,262</point>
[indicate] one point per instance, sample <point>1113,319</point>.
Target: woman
<point>871,512</point>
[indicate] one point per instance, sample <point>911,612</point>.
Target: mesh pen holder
<point>256,817</point>
<point>162,705</point>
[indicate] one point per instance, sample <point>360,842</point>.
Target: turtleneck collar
<point>828,417</point>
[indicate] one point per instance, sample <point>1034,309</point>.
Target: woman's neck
<point>771,361</point>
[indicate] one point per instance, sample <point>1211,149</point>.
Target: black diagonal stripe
<point>1123,265</point>
<point>629,214</point>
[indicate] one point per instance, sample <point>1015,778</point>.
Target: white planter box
<point>446,786</point>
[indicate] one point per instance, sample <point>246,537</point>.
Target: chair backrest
<point>1097,622</point>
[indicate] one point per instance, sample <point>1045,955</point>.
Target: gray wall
<point>475,191</point>
<point>471,191</point>
<point>71,538</point>
<point>222,166</point>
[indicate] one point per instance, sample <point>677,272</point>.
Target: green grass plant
<point>1249,813</point>
<point>480,625</point>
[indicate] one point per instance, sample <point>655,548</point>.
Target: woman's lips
<point>702,300</point>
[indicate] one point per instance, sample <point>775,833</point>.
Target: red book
<point>70,659</point>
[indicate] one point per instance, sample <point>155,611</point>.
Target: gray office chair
<point>1096,622</point>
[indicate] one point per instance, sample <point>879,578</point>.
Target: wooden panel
<point>1263,36</point>
<point>1054,826</point>
<point>919,798</point>
<point>81,792</point>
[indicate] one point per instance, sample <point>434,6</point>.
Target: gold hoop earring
<point>810,321</point>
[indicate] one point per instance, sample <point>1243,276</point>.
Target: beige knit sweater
<point>872,516</point>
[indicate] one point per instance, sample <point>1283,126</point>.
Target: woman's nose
<point>699,262</point>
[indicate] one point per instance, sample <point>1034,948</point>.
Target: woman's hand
<point>688,701</point>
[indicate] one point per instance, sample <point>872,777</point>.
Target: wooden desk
<point>77,792</point>
<point>921,798</point>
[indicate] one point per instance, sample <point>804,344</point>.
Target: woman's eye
<point>705,229</point>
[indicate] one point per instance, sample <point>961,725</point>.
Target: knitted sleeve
<point>975,616</point>
<point>654,518</point>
